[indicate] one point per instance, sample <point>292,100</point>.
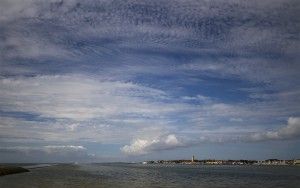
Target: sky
<point>129,80</point>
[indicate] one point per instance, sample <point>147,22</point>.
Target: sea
<point>153,175</point>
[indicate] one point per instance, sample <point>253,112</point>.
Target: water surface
<point>137,175</point>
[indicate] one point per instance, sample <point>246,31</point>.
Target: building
<point>297,162</point>
<point>193,159</point>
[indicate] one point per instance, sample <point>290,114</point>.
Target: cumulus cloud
<point>221,135</point>
<point>290,131</point>
<point>78,107</point>
<point>144,146</point>
<point>158,66</point>
<point>235,134</point>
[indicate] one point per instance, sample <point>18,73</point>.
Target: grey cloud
<point>46,149</point>
<point>102,110</point>
<point>48,153</point>
<point>253,41</point>
<point>289,131</point>
<point>142,146</point>
<point>253,69</point>
<point>286,132</point>
<point>187,24</point>
<point>79,98</point>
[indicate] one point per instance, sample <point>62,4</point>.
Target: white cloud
<point>80,98</point>
<point>138,146</point>
<point>77,107</point>
<point>33,47</point>
<point>171,140</point>
<point>221,135</point>
<point>51,149</point>
<point>198,98</point>
<point>67,148</point>
<point>236,119</point>
<point>93,109</point>
<point>14,9</point>
<point>250,69</point>
<point>290,131</point>
<point>232,37</point>
<point>48,153</point>
<point>144,146</point>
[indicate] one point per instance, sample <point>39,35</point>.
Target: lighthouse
<point>193,159</point>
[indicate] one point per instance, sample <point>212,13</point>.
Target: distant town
<point>227,162</point>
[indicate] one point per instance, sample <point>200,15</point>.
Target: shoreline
<point>6,170</point>
<point>267,162</point>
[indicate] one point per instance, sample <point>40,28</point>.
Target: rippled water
<point>136,175</point>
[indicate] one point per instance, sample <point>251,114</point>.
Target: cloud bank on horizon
<point>108,80</point>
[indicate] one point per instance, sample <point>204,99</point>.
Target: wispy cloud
<point>48,153</point>
<point>79,98</point>
<point>161,74</point>
<point>46,149</point>
<point>144,146</point>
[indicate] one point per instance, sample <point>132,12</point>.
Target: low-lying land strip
<point>5,170</point>
<point>227,162</point>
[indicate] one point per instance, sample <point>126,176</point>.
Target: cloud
<point>290,131</point>
<point>144,146</point>
<point>48,153</point>
<point>228,134</point>
<point>236,119</point>
<point>68,148</point>
<point>16,46</point>
<point>198,98</point>
<point>51,149</point>
<point>250,69</point>
<point>94,70</point>
<point>79,98</point>
<point>18,9</point>
<point>221,135</point>
<point>78,107</point>
<point>106,28</point>
<point>81,108</point>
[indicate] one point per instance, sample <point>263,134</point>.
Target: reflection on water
<point>136,175</point>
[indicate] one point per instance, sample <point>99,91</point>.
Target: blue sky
<point>129,80</point>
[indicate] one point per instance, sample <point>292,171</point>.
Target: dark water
<point>136,175</point>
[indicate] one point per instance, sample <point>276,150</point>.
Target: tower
<point>193,159</point>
